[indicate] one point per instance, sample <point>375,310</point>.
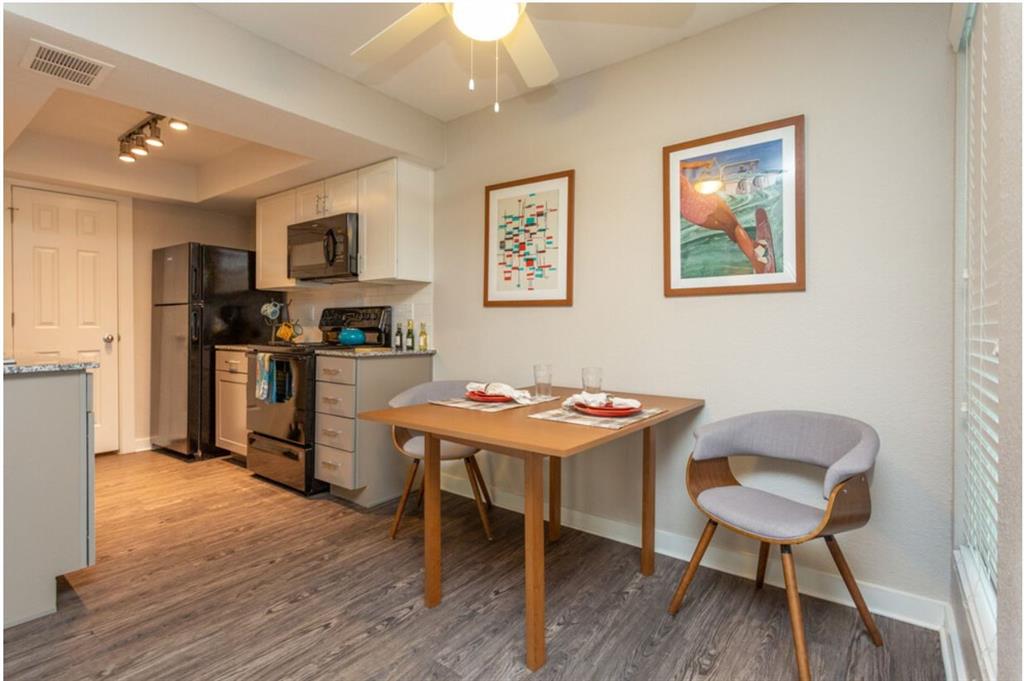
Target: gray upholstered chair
<point>411,444</point>
<point>845,448</point>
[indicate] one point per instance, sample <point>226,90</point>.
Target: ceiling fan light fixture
<point>486,21</point>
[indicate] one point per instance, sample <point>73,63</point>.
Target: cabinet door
<point>378,220</point>
<point>273,215</point>
<point>231,411</point>
<point>341,194</point>
<point>309,202</point>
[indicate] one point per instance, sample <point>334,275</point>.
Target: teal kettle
<point>349,336</point>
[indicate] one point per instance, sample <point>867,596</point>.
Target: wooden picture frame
<point>529,271</point>
<point>757,172</point>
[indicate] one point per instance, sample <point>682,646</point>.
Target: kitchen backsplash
<point>406,300</point>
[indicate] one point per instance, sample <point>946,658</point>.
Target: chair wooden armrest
<point>849,503</point>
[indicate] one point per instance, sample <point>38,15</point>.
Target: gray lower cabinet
<point>49,487</point>
<point>233,400</point>
<point>357,457</point>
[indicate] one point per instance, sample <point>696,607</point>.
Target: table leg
<point>432,521</point>
<point>554,498</point>
<point>647,520</point>
<point>534,531</point>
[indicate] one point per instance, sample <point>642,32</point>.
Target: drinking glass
<point>542,380</point>
<point>592,379</point>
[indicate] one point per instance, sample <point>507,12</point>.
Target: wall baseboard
<point>142,444</point>
<point>899,605</point>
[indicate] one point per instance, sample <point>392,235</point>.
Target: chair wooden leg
<point>481,509</point>
<point>762,564</point>
<point>691,569</point>
<point>851,586</point>
<point>480,479</point>
<point>796,618</point>
<point>409,478</point>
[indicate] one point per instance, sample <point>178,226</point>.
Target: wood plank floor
<point>204,572</point>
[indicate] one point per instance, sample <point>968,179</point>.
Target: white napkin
<point>600,400</point>
<point>504,389</point>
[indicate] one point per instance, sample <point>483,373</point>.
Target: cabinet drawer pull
<point>332,372</point>
<point>330,432</point>
<point>331,400</point>
<point>330,464</point>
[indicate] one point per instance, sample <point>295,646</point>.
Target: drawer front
<point>335,431</point>
<point>230,360</point>
<point>336,399</point>
<point>336,466</point>
<point>336,369</point>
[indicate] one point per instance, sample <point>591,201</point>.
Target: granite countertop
<point>35,365</point>
<point>342,352</point>
<point>376,354</point>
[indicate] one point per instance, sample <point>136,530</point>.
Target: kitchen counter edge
<point>48,366</point>
<point>331,352</point>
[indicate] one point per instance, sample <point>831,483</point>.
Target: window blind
<point>981,317</point>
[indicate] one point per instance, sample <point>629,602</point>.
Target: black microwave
<point>326,249</point>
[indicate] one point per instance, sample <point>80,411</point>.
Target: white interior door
<point>65,289</point>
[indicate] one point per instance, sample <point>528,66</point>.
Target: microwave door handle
<point>330,247</point>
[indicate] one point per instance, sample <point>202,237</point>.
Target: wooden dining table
<point>512,433</point>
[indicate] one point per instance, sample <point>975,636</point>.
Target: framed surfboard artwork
<point>734,211</point>
<point>528,227</point>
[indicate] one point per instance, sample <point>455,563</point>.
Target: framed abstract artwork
<point>734,211</point>
<point>528,241</point>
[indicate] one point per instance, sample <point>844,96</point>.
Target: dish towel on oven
<point>273,379</point>
<point>263,375</point>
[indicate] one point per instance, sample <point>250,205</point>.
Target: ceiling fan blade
<point>529,54</point>
<point>401,32</point>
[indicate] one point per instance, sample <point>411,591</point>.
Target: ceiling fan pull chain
<point>472,83</point>
<point>497,106</point>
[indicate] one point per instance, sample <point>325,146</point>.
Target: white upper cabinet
<point>273,215</point>
<point>309,201</point>
<point>395,203</point>
<point>396,222</point>
<point>341,194</point>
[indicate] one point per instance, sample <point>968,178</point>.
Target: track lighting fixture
<point>138,140</point>
<point>125,154</point>
<point>153,138</point>
<point>138,146</point>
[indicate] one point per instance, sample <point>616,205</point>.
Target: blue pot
<point>351,337</point>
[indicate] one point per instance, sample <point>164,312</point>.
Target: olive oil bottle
<point>424,343</point>
<point>410,338</point>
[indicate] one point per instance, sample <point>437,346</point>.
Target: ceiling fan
<point>480,21</point>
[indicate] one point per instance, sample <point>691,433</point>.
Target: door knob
<point>109,338</point>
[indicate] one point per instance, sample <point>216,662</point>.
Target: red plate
<point>484,397</point>
<point>607,411</point>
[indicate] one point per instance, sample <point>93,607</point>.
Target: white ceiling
<point>91,120</point>
<point>431,73</point>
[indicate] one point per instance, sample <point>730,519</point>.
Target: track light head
<point>138,146</point>
<point>125,154</point>
<point>153,138</point>
<point>179,125</point>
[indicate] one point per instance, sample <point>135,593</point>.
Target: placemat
<point>612,423</point>
<point>463,403</point>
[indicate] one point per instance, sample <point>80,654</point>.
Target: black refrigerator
<point>202,296</point>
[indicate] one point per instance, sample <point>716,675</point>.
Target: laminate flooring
<point>204,572</point>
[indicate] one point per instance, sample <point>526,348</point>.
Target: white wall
<point>407,301</point>
<point>164,224</point>
<point>1004,223</point>
<point>870,338</point>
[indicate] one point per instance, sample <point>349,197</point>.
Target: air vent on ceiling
<point>64,64</point>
